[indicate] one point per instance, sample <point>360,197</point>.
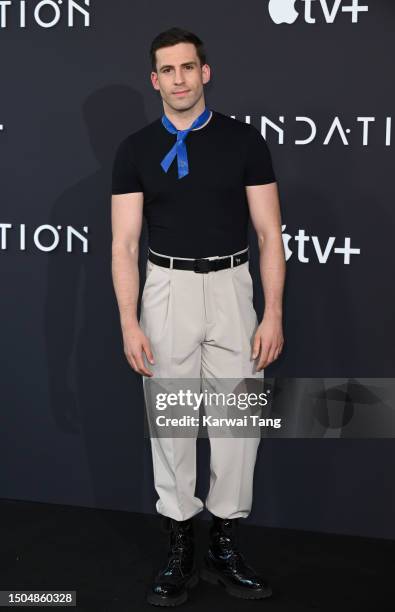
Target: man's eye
<point>167,69</point>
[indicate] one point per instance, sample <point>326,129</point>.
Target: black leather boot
<point>171,583</point>
<point>224,564</point>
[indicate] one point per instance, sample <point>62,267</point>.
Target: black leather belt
<point>199,265</point>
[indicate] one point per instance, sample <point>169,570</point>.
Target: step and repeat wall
<point>315,77</point>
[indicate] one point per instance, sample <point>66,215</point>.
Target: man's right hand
<point>135,343</point>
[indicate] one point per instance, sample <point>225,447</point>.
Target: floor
<point>109,557</point>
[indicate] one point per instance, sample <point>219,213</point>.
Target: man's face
<point>178,70</point>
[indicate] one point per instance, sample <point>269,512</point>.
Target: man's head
<point>179,64</point>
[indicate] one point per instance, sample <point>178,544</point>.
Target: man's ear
<point>154,80</point>
<point>206,73</point>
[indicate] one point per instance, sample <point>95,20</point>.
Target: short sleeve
<point>258,168</point>
<point>125,176</point>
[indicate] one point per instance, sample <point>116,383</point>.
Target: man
<point>197,175</point>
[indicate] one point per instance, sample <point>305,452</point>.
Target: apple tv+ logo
<point>283,11</point>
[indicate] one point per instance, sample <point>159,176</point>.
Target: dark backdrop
<point>72,408</point>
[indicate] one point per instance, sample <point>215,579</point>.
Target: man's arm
<point>127,220</point>
<point>264,206</point>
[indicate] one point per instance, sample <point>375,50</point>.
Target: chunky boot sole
<point>214,577</point>
<point>157,600</point>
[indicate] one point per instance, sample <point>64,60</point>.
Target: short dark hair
<point>173,36</point>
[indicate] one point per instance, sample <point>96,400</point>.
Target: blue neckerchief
<point>179,149</point>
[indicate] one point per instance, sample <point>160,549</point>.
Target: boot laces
<point>230,550</point>
<point>178,546</point>
<point>228,540</point>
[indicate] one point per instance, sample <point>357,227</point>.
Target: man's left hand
<point>268,340</point>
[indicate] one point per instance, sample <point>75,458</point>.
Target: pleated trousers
<point>201,327</point>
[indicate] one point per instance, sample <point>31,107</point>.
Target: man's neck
<point>182,120</point>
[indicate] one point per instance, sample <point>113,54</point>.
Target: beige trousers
<point>201,326</point>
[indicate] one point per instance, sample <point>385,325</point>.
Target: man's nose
<point>179,77</point>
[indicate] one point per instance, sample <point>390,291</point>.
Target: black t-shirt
<point>205,213</point>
